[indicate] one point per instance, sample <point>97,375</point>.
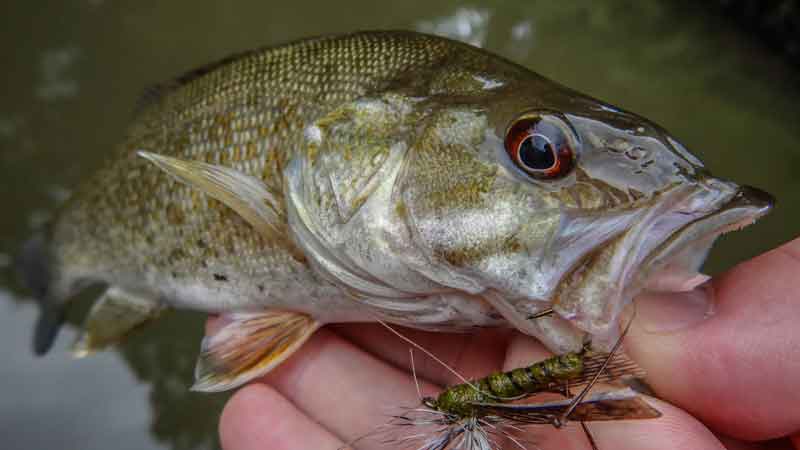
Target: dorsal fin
<point>153,94</point>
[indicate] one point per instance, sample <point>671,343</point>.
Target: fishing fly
<point>472,415</point>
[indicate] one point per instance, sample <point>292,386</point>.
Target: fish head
<point>550,198</point>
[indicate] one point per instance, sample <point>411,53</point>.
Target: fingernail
<point>667,312</point>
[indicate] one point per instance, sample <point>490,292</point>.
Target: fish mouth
<point>670,240</point>
<point>744,207</point>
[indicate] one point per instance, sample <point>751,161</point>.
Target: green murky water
<point>73,71</point>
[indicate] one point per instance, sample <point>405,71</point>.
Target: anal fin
<point>113,316</point>
<point>249,345</point>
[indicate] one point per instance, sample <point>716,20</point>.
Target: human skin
<point>724,359</point>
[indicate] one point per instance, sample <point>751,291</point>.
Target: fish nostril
<point>636,153</point>
<point>741,195</point>
<point>717,184</point>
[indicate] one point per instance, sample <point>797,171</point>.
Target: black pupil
<point>537,153</point>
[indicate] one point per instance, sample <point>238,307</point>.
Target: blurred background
<point>722,76</point>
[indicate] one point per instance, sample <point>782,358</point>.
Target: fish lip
<point>746,205</point>
<point>685,218</point>
<point>751,197</point>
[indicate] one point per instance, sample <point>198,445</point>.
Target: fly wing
<point>619,370</point>
<point>623,404</point>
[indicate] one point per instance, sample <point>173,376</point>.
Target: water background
<point>74,70</point>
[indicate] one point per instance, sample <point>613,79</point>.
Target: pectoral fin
<point>113,316</point>
<point>249,345</point>
<point>244,194</point>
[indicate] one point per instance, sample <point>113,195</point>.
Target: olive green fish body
<point>377,175</point>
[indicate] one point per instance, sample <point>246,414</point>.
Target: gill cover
<point>339,197</point>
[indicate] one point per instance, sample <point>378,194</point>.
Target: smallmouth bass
<point>376,175</point>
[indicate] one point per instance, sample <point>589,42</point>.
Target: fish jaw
<point>675,235</point>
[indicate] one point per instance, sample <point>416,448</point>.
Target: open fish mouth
<point>670,241</point>
<point>685,248</point>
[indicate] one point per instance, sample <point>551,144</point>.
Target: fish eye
<point>541,145</point>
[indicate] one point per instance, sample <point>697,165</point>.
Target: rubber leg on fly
<point>589,436</point>
<point>560,421</point>
<point>541,314</point>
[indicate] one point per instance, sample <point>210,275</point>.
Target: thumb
<point>729,351</point>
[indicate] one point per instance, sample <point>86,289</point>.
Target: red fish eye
<point>540,147</point>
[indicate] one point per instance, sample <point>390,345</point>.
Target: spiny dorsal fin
<point>248,346</point>
<point>158,91</point>
<point>153,95</point>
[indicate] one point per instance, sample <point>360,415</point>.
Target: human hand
<point>736,372</point>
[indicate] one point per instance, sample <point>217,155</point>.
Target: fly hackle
<point>428,429</point>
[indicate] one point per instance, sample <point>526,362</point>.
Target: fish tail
<point>34,264</point>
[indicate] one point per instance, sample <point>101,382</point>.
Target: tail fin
<point>34,265</point>
<point>50,320</point>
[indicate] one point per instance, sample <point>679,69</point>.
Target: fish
<point>385,176</point>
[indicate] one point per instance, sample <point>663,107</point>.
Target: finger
<point>735,444</point>
<point>674,429</point>
<point>736,370</point>
<point>346,390</point>
<point>213,324</point>
<point>258,417</point>
<point>471,355</point>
